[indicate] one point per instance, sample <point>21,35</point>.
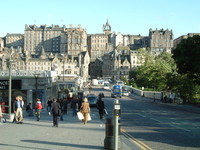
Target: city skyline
<point>128,16</point>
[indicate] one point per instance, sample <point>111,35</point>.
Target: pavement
<point>184,107</point>
<point>71,134</point>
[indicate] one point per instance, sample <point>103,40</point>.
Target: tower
<point>107,28</point>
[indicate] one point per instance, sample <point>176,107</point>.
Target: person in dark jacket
<point>55,110</point>
<point>100,107</point>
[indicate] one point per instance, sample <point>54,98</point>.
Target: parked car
<point>92,99</point>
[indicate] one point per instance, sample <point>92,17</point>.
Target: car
<point>125,93</point>
<point>92,99</point>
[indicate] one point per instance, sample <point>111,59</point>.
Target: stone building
<point>62,64</point>
<point>14,40</point>
<point>160,40</point>
<point>178,40</point>
<point>115,64</point>
<point>98,45</point>
<point>55,39</point>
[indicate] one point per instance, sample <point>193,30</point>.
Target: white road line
<point>141,115</point>
<point>180,128</point>
<point>156,120</point>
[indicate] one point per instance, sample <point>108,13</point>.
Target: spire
<point>107,28</point>
<point>42,54</point>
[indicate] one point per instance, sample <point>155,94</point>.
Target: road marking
<point>156,120</point>
<point>180,128</point>
<point>136,141</point>
<point>141,115</point>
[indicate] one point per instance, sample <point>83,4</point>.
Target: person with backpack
<point>38,108</point>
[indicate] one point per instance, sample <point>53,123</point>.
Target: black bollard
<point>109,135</point>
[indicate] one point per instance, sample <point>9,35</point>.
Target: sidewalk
<point>184,107</point>
<point>70,135</point>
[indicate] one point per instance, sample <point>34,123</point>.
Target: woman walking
<point>38,109</point>
<point>55,110</point>
<point>85,110</point>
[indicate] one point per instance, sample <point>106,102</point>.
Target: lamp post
<point>10,87</point>
<point>63,61</point>
<point>36,84</point>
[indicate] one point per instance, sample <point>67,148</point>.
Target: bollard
<point>109,143</point>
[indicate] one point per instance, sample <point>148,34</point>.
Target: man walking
<point>17,106</point>
<point>100,107</point>
<point>55,110</point>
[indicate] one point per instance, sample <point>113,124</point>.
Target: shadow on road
<point>64,144</point>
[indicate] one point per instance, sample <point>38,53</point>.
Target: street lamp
<point>10,87</point>
<point>63,61</point>
<point>36,75</point>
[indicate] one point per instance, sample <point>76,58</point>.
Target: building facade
<point>14,40</point>
<point>178,40</point>
<point>160,41</point>
<point>55,39</point>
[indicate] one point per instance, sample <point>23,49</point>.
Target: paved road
<point>157,125</point>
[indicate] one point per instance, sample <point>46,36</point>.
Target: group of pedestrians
<point>57,108</point>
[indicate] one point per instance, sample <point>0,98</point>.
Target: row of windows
<point>97,41</point>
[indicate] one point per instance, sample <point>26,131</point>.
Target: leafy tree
<point>153,73</point>
<point>187,57</point>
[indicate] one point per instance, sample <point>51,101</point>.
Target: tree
<point>187,57</point>
<point>153,73</point>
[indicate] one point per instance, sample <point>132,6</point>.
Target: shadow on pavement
<point>26,147</point>
<point>64,144</point>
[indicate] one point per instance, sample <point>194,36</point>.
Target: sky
<point>125,16</point>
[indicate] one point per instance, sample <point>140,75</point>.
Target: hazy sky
<point>125,16</point>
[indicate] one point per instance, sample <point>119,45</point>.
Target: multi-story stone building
<point>98,45</point>
<point>55,39</point>
<point>160,40</point>
<point>115,64</point>
<point>14,40</point>
<point>63,64</point>
<point>178,40</point>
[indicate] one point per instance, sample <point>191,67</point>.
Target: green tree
<point>187,57</point>
<point>153,73</point>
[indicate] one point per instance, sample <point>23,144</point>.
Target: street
<point>158,126</point>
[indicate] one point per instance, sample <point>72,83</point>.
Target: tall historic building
<point>178,40</point>
<point>115,64</point>
<point>160,40</point>
<point>55,39</point>
<point>14,40</point>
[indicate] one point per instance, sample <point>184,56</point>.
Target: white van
<point>106,85</point>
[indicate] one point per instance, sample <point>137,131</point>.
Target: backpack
<point>39,105</point>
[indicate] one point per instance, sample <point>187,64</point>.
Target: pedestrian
<point>61,101</point>
<point>85,110</point>
<point>55,110</point>
<point>17,106</point>
<point>29,110</point>
<point>74,106</point>
<point>38,109</point>
<point>49,102</point>
<point>100,107</point>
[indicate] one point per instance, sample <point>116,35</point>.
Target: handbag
<point>80,115</point>
<point>105,111</point>
<point>89,117</point>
